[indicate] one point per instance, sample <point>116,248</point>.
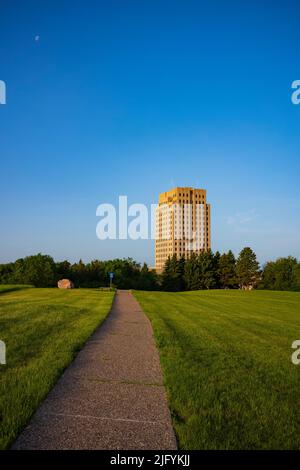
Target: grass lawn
<point>12,287</point>
<point>42,329</point>
<point>226,359</point>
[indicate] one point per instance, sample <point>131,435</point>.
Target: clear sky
<point>106,98</point>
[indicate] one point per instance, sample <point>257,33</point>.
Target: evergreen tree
<point>78,272</point>
<point>207,269</point>
<point>148,279</point>
<point>171,276</point>
<point>63,270</point>
<point>181,267</point>
<point>192,273</point>
<point>227,271</point>
<point>217,257</point>
<point>247,269</point>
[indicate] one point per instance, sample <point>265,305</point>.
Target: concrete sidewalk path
<point>112,395</point>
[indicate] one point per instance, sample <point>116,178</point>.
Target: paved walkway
<point>112,395</point>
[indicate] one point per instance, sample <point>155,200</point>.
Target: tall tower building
<point>182,224</point>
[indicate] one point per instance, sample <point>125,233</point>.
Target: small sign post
<point>111,275</point>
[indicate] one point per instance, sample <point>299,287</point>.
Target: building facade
<point>182,224</point>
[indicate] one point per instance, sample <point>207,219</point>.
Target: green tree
<point>38,270</point>
<point>208,271</point>
<point>227,271</point>
<point>148,279</point>
<point>63,270</point>
<point>126,272</point>
<point>192,273</point>
<point>181,269</point>
<point>282,274</point>
<point>296,278</point>
<point>247,269</point>
<point>217,257</point>
<point>201,271</point>
<point>172,275</point>
<point>78,274</point>
<point>95,274</point>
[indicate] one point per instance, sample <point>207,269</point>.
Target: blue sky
<point>135,97</point>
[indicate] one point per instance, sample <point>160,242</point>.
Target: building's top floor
<point>183,194</point>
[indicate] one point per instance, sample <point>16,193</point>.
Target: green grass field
<point>12,287</point>
<point>226,359</point>
<point>43,329</point>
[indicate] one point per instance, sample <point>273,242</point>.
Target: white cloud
<point>242,218</point>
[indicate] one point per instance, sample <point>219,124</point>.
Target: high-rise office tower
<point>182,224</point>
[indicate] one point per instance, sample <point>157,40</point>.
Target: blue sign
<point>111,275</point>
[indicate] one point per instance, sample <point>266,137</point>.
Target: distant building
<point>182,224</point>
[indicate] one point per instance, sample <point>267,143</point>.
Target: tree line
<point>206,270</point>
<point>42,271</point>
<point>209,270</point>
